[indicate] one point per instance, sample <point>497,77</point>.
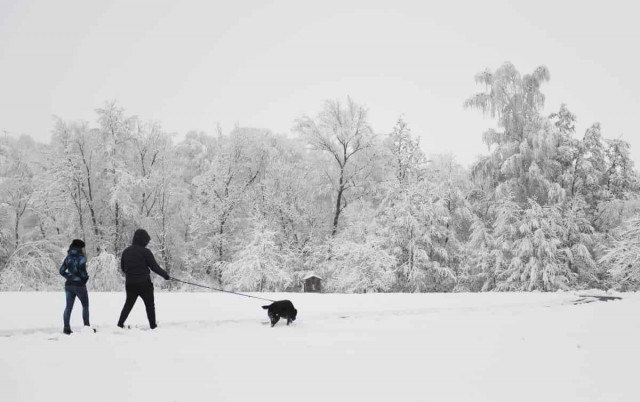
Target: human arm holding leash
<point>153,265</point>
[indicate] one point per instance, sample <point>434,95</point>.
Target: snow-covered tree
<point>104,272</point>
<point>522,151</point>
<point>361,267</point>
<point>533,247</point>
<point>622,257</point>
<point>359,261</point>
<point>32,265</point>
<point>620,178</point>
<point>73,164</point>
<point>414,221</point>
<point>533,250</point>
<point>5,237</point>
<point>422,214</point>
<point>453,188</point>
<point>543,190</point>
<point>259,265</point>
<point>115,133</point>
<point>290,197</point>
<point>408,160</point>
<point>578,241</point>
<point>344,134</point>
<point>222,189</point>
<point>16,188</point>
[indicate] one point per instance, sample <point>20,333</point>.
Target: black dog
<point>281,308</point>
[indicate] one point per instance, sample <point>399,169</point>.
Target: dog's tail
<point>265,307</point>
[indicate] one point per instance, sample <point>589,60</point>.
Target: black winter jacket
<point>137,259</point>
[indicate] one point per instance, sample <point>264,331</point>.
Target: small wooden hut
<point>312,283</point>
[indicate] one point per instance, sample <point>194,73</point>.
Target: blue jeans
<point>72,292</point>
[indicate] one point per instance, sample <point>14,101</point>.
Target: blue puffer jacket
<point>74,268</point>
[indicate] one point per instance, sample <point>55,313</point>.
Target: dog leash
<point>220,290</point>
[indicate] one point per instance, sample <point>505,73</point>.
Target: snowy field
<point>375,347</point>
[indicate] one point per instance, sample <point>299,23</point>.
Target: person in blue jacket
<point>74,269</point>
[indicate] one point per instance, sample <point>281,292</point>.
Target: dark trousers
<point>71,292</point>
<point>145,291</point>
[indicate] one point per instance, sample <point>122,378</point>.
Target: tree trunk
<point>218,271</point>
<point>94,221</point>
<point>221,232</point>
<point>79,209</point>
<point>411,251</point>
<point>575,174</point>
<point>116,242</point>
<point>163,235</point>
<point>17,233</point>
<point>336,216</point>
<point>89,196</point>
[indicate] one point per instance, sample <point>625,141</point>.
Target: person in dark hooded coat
<point>136,261</point>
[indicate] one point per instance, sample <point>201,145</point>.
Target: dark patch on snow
<point>583,299</point>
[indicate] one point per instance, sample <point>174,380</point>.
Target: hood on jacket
<point>141,238</point>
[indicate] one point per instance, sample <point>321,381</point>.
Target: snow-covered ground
<point>374,347</point>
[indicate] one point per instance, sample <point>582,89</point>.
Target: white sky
<point>191,65</point>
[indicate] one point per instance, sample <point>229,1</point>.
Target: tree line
<point>546,208</point>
